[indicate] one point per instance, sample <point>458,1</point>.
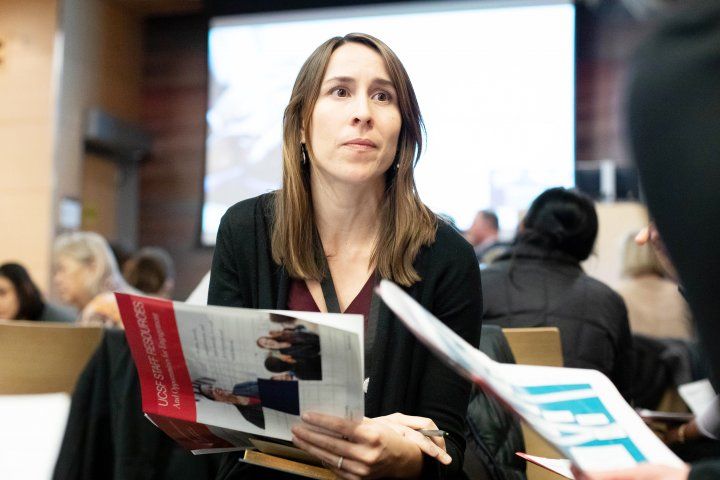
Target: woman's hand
<point>408,425</point>
<point>651,235</point>
<point>353,450</point>
<point>683,433</point>
<point>641,472</point>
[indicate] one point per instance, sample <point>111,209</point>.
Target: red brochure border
<point>152,334</point>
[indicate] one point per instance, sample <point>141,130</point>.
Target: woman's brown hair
<point>406,224</point>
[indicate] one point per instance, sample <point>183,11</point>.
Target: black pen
<point>434,433</point>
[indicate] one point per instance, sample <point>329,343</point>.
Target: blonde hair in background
<point>90,248</point>
<point>640,259</point>
<point>406,224</point>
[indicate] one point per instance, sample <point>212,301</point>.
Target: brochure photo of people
<point>293,349</point>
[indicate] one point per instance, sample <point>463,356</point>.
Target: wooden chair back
<point>43,357</point>
<point>536,346</point>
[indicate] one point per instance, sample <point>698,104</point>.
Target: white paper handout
<point>697,395</point>
<point>579,411</point>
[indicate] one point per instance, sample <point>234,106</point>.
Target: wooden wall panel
<point>175,100</point>
<point>100,196</point>
<point>102,68</point>
<point>27,50</point>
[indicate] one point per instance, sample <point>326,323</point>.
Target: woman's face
<point>70,279</point>
<point>226,396</point>
<point>269,343</point>
<point>356,121</point>
<point>9,302</point>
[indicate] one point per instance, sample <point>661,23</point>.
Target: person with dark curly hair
<point>539,283</point>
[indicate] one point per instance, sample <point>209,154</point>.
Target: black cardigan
<point>404,376</point>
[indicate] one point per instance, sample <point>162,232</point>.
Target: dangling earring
<point>397,165</point>
<point>304,154</point>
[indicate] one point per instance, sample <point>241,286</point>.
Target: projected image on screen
<point>495,87</point>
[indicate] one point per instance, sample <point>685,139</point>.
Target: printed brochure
<point>218,379</point>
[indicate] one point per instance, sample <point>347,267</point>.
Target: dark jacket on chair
<point>494,435</point>
<point>530,287</point>
<point>108,437</point>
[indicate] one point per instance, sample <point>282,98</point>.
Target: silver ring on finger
<point>340,462</point>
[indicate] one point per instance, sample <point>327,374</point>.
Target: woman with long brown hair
<point>347,215</point>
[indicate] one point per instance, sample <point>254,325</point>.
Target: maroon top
<point>300,299</point>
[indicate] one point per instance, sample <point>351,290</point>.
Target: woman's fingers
<point>325,431</point>
<point>415,423</point>
<point>344,474</point>
<point>642,236</point>
<point>428,446</point>
<point>431,446</point>
<point>329,452</point>
<point>329,443</point>
<point>345,428</point>
<point>363,445</point>
<point>356,456</point>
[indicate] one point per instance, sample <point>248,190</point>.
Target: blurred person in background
<point>539,283</point>
<point>151,270</point>
<point>121,253</point>
<point>483,235</point>
<point>674,130</point>
<point>655,306</point>
<point>697,438</point>
<point>20,298</point>
<point>86,275</point>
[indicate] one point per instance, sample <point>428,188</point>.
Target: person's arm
<point>224,275</point>
<point>444,395</point>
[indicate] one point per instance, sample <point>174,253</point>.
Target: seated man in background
<point>539,283</point>
<point>483,235</point>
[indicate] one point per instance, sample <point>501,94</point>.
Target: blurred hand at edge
<point>641,472</point>
<point>651,235</point>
